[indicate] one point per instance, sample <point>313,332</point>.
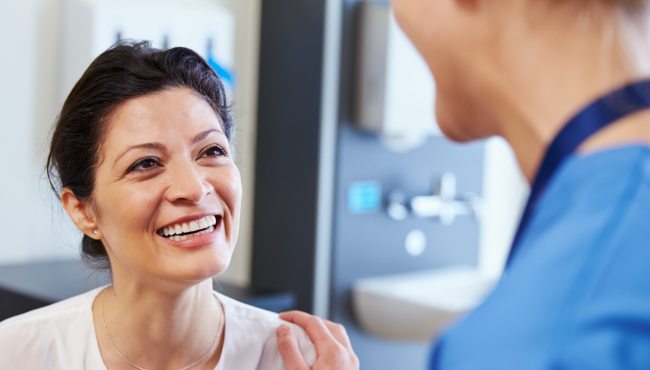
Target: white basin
<point>417,306</point>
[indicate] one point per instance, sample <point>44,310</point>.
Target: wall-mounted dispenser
<point>394,87</point>
<point>91,26</point>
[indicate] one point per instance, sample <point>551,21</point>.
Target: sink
<point>417,306</point>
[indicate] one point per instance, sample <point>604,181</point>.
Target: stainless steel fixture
<point>444,205</point>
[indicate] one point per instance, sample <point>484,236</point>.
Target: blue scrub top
<point>577,293</point>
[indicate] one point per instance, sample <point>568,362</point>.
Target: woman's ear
<point>81,213</point>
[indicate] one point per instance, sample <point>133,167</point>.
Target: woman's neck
<point>158,329</point>
<point>537,91</point>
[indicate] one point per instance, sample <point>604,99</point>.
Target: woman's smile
<point>195,233</point>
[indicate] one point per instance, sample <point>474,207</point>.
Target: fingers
<point>315,328</point>
<point>289,349</point>
<point>339,332</point>
<point>336,330</point>
<point>330,341</point>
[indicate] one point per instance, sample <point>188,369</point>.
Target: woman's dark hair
<point>127,70</point>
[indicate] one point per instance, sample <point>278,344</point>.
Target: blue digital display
<point>364,197</point>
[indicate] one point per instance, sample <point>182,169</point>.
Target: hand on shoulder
<point>333,347</point>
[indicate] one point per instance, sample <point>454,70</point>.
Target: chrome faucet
<point>444,205</point>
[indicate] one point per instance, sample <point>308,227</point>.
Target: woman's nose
<point>187,183</point>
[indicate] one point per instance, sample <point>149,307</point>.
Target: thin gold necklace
<point>133,364</point>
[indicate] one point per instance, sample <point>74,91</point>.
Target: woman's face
<point>167,192</point>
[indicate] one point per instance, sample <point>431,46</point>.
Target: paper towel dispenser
<point>394,87</point>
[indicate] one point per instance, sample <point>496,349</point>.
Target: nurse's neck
<point>539,87</point>
<point>530,139</point>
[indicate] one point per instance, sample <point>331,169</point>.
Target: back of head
<point>125,71</point>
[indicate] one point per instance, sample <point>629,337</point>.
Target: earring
<point>95,232</point>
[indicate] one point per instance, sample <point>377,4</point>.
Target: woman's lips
<point>196,239</point>
<point>189,226</point>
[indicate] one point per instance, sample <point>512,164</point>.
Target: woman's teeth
<point>197,227</point>
<point>179,238</point>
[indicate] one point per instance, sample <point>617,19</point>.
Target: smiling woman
<point>166,156</point>
<point>141,159</point>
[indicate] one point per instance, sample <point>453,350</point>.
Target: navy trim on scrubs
<point>604,111</point>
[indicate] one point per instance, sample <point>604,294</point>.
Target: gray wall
<point>373,244</point>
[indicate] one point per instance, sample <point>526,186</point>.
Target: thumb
<point>289,350</point>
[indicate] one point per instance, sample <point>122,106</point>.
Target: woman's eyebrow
<point>204,134</point>
<point>157,146</point>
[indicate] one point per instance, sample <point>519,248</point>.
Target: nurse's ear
<point>81,212</point>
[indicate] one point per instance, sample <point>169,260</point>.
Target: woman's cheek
<point>235,188</point>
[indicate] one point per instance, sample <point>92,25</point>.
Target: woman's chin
<point>457,129</point>
<point>195,269</point>
<point>452,132</point>
<point>209,270</point>
<point>447,122</point>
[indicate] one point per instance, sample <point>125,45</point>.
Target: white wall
<point>504,195</point>
<point>33,225</point>
<point>31,229</point>
<point>247,15</point>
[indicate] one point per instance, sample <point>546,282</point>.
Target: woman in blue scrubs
<point>565,82</point>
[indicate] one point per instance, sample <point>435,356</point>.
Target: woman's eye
<point>214,151</point>
<point>145,164</point>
